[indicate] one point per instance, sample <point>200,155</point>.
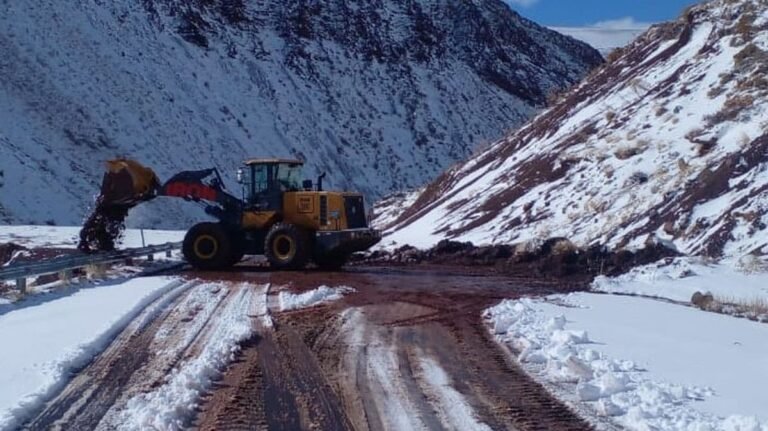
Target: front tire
<point>208,246</point>
<point>286,247</point>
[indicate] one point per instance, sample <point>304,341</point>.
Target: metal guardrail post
<point>21,284</point>
<point>66,276</point>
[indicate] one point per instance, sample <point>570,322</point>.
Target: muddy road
<point>407,350</point>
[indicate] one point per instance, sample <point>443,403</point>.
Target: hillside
<point>665,143</point>
<point>382,95</point>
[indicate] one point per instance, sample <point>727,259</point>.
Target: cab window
<point>260,179</point>
<point>288,177</point>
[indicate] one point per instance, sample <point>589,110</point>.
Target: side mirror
<point>240,175</point>
<point>307,185</point>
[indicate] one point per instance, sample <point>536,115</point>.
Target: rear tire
<point>208,246</point>
<point>287,247</point>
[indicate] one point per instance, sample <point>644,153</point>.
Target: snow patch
<point>68,236</point>
<point>50,336</point>
<point>323,294</point>
<point>680,278</point>
<point>647,364</point>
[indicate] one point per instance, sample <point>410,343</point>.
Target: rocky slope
<point>383,95</point>
<point>667,143</point>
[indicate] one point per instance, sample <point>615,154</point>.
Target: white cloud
<point>626,23</point>
<point>522,3</point>
<point>606,36</point>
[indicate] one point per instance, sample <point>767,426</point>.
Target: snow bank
<point>173,405</point>
<point>647,364</point>
<point>44,340</point>
<point>293,301</point>
<point>68,236</point>
<point>679,279</point>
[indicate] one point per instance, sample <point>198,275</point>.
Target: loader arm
<point>127,183</point>
<point>195,186</point>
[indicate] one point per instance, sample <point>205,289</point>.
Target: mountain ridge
<point>381,95</point>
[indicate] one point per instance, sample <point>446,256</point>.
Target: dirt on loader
<point>125,184</point>
<point>103,227</point>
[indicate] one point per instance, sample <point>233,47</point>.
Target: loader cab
<point>265,180</point>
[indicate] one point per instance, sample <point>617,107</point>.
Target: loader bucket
<point>125,184</point>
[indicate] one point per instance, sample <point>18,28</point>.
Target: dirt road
<point>407,350</point>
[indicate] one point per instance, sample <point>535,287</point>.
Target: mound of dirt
<point>7,250</point>
<point>555,257</point>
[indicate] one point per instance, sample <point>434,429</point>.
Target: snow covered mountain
<point>667,143</point>
<point>382,95</point>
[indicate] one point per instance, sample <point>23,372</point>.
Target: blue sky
<point>587,12</point>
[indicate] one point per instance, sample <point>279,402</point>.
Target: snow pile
<point>323,294</point>
<point>47,337</point>
<point>680,278</point>
<point>646,364</point>
<point>68,236</point>
<point>665,144</point>
<point>173,405</point>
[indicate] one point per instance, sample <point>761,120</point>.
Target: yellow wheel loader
<point>291,222</point>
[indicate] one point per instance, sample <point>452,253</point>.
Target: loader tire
<point>208,246</point>
<point>287,247</point>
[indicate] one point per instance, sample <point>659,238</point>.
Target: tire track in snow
<point>83,396</point>
<point>173,404</point>
<point>451,406</point>
<point>160,348</point>
<point>401,388</point>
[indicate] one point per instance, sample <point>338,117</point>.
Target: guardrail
<point>65,264</point>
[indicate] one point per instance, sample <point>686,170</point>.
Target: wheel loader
<point>290,221</point>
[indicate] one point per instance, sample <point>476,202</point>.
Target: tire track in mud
<point>166,333</point>
<point>408,350</point>
<point>400,353</point>
<point>276,384</point>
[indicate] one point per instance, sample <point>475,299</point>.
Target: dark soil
<point>7,251</point>
<point>103,227</point>
<point>554,258</point>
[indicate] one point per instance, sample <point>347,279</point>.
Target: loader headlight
<point>240,175</point>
